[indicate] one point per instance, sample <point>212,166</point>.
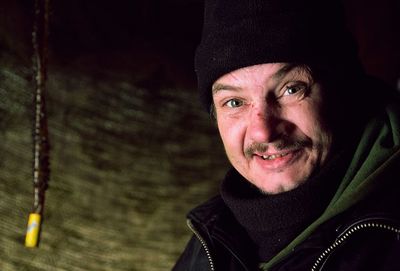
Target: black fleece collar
<point>272,221</point>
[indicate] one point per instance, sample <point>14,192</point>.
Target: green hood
<point>377,153</point>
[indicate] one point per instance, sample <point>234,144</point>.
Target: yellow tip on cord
<point>32,232</point>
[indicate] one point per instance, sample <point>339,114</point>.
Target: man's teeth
<point>273,156</point>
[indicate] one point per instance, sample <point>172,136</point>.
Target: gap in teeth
<point>273,156</point>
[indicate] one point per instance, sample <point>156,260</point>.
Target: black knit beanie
<point>241,33</point>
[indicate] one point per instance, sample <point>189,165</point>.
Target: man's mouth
<point>278,160</point>
<point>274,156</point>
<point>279,149</point>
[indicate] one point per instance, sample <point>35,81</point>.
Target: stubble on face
<point>287,145</point>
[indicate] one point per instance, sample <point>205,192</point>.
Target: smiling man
<point>270,121</point>
<point>313,141</point>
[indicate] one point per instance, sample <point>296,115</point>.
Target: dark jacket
<point>359,230</point>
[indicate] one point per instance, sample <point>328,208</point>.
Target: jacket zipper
<point>319,263</point>
<point>203,243</point>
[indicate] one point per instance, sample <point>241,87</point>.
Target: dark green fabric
<point>376,153</point>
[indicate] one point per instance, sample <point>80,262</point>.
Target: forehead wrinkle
<point>294,70</point>
<point>222,86</point>
<point>282,72</point>
<point>218,87</point>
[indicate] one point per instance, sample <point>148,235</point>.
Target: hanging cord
<point>41,148</point>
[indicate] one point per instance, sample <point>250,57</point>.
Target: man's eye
<point>234,103</point>
<point>293,89</point>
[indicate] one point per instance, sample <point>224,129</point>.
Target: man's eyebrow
<point>279,75</point>
<point>296,69</point>
<point>282,72</point>
<point>217,87</point>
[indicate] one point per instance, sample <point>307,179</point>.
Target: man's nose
<point>263,125</point>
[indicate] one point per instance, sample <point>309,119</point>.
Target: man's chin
<point>273,187</point>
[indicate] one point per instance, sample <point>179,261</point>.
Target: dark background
<point>131,149</point>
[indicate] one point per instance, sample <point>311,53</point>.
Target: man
<point>314,144</point>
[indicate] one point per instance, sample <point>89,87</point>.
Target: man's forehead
<point>285,69</point>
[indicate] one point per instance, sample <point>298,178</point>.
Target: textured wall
<point>127,164</point>
<point>131,149</point>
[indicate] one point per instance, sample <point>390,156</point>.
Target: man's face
<point>270,120</point>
